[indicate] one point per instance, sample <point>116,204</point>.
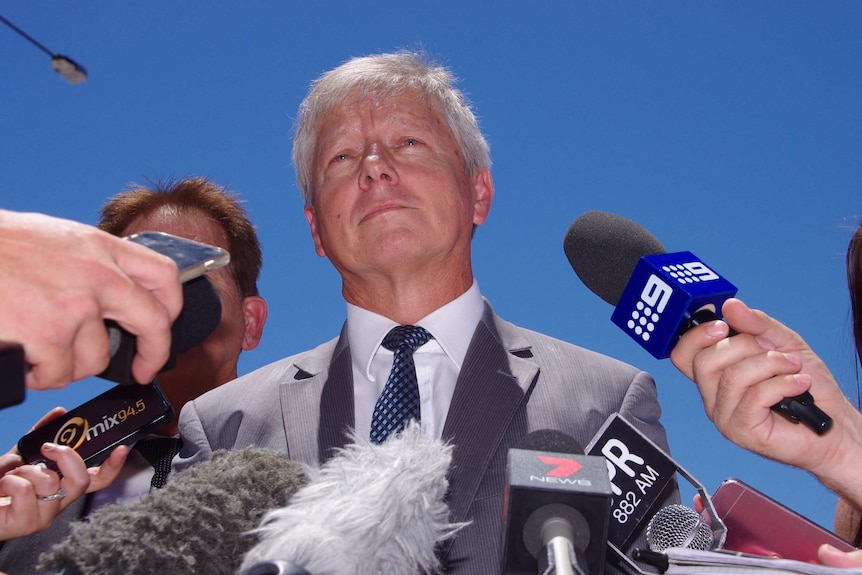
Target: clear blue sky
<point>730,129</point>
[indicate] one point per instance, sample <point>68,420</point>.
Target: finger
<point>51,367</point>
<point>43,481</point>
<point>833,557</point>
<point>146,306</point>
<point>104,475</point>
<point>10,461</point>
<point>76,478</point>
<point>53,414</point>
<point>693,342</point>
<point>91,349</point>
<point>697,503</point>
<point>20,515</point>
<point>154,272</point>
<point>773,333</point>
<point>748,389</point>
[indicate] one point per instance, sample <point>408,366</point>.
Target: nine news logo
<point>663,292</point>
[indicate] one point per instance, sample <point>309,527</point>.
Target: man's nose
<point>377,167</point>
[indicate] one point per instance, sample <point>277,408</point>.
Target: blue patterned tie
<point>399,401</point>
<point>159,452</point>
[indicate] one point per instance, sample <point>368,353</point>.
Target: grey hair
<point>386,75</point>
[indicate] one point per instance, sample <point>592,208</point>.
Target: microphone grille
<point>679,526</point>
<point>603,250</point>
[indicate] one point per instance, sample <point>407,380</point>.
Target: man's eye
<point>340,158</point>
<point>411,142</point>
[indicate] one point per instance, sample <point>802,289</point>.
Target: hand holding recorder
<point>32,495</point>
<point>67,281</point>
<point>60,280</point>
<point>741,377</point>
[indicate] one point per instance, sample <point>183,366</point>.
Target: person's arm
<point>741,377</point>
<point>59,281</point>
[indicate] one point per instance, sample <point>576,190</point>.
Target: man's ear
<point>318,245</point>
<point>484,187</point>
<point>254,310</point>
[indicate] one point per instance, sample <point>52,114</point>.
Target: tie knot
<point>406,338</point>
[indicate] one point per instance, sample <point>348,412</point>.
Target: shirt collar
<point>451,325</point>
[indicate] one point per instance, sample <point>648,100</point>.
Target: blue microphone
<point>657,295</point>
<point>663,294</point>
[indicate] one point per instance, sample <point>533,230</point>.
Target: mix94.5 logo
<point>79,430</point>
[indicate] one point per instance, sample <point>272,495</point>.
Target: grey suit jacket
<point>513,381</point>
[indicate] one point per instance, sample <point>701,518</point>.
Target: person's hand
<point>24,506</point>
<point>59,281</point>
<point>832,557</point>
<point>32,495</point>
<point>741,377</point>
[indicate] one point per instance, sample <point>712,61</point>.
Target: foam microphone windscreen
<point>550,440</point>
<point>200,315</point>
<point>198,523</point>
<point>371,509</point>
<point>604,248</point>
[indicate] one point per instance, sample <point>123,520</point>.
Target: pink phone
<point>759,525</point>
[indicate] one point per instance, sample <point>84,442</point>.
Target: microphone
<point>555,514</point>
<point>200,315</point>
<point>641,474</point>
<point>370,509</point>
<point>657,295</point>
<point>198,522</point>
<point>679,526</point>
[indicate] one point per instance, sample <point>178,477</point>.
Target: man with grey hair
<point>395,175</point>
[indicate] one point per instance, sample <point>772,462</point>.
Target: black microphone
<point>198,522</point>
<point>555,518</point>
<point>200,315</point>
<point>658,295</point>
<point>370,509</point>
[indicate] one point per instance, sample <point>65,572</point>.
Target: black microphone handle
<point>799,408</point>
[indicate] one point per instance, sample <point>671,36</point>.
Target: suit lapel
<point>490,390</point>
<point>336,406</point>
<point>317,403</point>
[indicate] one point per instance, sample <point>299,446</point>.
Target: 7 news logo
<point>561,472</point>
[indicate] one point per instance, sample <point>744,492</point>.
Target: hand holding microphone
<point>741,377</point>
<point>659,296</point>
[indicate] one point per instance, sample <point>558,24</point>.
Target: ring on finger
<point>61,493</point>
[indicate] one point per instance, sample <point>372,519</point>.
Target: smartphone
<point>120,416</point>
<point>192,258</point>
<point>759,525</point>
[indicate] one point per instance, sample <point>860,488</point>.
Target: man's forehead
<point>188,222</point>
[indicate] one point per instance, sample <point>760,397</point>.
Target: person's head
<point>396,176</point>
<point>198,209</point>
<point>381,76</point>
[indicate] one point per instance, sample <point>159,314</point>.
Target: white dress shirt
<point>438,362</point>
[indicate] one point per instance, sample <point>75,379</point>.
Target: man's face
<point>213,361</point>
<point>391,191</point>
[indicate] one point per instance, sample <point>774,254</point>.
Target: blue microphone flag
<point>661,296</point>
